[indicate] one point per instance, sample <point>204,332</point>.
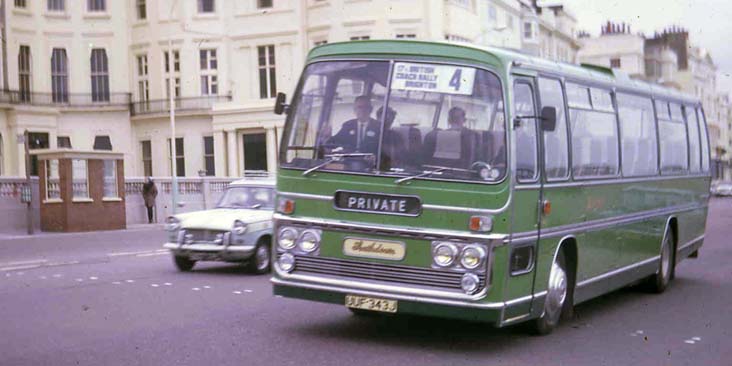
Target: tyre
<point>665,272</point>
<point>183,263</point>
<point>557,300</point>
<point>260,262</point>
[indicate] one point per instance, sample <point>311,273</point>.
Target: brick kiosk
<point>81,190</point>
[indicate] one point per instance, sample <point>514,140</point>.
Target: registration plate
<point>371,303</point>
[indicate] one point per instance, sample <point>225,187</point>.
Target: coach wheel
<point>556,296</point>
<point>659,281</point>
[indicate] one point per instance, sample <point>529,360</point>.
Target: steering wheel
<point>482,169</point>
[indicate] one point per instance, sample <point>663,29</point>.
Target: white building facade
<point>94,74</point>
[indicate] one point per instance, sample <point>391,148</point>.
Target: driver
<point>360,134</point>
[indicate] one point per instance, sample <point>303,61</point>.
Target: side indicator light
<point>546,207</point>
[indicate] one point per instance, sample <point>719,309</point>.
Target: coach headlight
<point>286,238</point>
<point>444,253</point>
<point>309,241</point>
<point>472,256</point>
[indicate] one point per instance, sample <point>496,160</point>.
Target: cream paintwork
<point>223,219</point>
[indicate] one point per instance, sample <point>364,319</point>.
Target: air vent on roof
<point>602,69</point>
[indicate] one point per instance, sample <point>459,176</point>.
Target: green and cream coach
<point>480,183</point>
<point>238,230</point>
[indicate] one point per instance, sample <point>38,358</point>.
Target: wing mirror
<point>548,119</point>
<point>281,105</point>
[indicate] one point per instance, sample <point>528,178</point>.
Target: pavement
<point>124,303</point>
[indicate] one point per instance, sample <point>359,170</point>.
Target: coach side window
<point>704,140</point>
<point>693,127</point>
<point>673,143</point>
<point>638,132</point>
<point>556,154</point>
<point>594,132</point>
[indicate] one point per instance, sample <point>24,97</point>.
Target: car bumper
<point>211,252</point>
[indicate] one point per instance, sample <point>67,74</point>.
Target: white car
<point>239,229</point>
<point>722,189</point>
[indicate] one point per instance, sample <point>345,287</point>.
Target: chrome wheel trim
<point>262,257</point>
<point>556,292</point>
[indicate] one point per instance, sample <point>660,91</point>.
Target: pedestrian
<point>149,193</point>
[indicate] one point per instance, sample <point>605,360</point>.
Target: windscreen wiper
<point>333,158</point>
<point>426,173</point>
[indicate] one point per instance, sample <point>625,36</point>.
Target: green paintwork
<point>599,250</point>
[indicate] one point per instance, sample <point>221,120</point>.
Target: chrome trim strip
<point>209,248</point>
<point>519,300</point>
<point>618,271</point>
<point>515,319</point>
<point>610,181</point>
<point>389,230</point>
<point>690,243</point>
<point>602,223</point>
<point>425,206</point>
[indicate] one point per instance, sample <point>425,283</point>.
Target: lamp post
<point>171,101</point>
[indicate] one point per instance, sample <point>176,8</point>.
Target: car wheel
<point>260,262</point>
<point>183,263</point>
<point>659,281</point>
<point>557,294</point>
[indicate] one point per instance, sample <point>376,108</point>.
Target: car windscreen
<point>247,197</point>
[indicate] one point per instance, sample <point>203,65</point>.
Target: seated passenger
<point>360,134</point>
<point>453,147</point>
<point>393,150</point>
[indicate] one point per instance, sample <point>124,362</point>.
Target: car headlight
<point>472,257</point>
<point>309,241</point>
<point>286,238</point>
<point>172,223</point>
<point>444,254</point>
<point>239,227</point>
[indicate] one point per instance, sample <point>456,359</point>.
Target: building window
<point>208,155</point>
<point>406,36</point>
<point>528,30</point>
<point>263,4</point>
<point>176,73</point>
<point>454,38</point>
<point>209,77</point>
<point>492,13</point>
<point>320,42</point>
<point>20,3</point>
<point>63,142</point>
<point>206,6</point>
<point>146,158</point>
<point>102,143</point>
<point>53,190</point>
<point>615,63</point>
<point>96,5</point>
<point>360,38</point>
<point>267,79</point>
<point>509,21</point>
<point>24,74</point>
<point>59,76</point>
<point>143,85</point>
<point>255,151</point>
<point>36,140</point>
<point>79,178</point>
<point>141,9</point>
<point>180,161</point>
<point>110,179</point>
<point>99,75</point>
<point>56,5</point>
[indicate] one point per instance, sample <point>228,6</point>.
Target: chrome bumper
<point>224,251</point>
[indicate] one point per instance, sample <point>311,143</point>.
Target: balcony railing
<point>181,104</point>
<point>65,99</point>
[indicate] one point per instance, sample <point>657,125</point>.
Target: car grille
<point>202,235</point>
<point>413,276</point>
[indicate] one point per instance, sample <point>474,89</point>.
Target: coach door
<point>526,196</point>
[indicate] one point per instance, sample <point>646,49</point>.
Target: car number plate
<point>371,303</point>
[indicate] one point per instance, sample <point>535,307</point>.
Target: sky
<point>709,23</point>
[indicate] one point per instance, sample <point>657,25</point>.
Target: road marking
<point>79,280</point>
<point>93,278</point>
<point>248,291</point>
<point>119,254</point>
<point>168,284</point>
<point>116,283</point>
<point>130,281</point>
<point>43,277</point>
<point>18,263</point>
<point>206,286</point>
<point>15,268</point>
<point>696,338</point>
<point>53,264</point>
<point>154,285</point>
<point>150,254</point>
<point>237,292</point>
<point>689,341</point>
<point>196,289</point>
<point>57,275</point>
